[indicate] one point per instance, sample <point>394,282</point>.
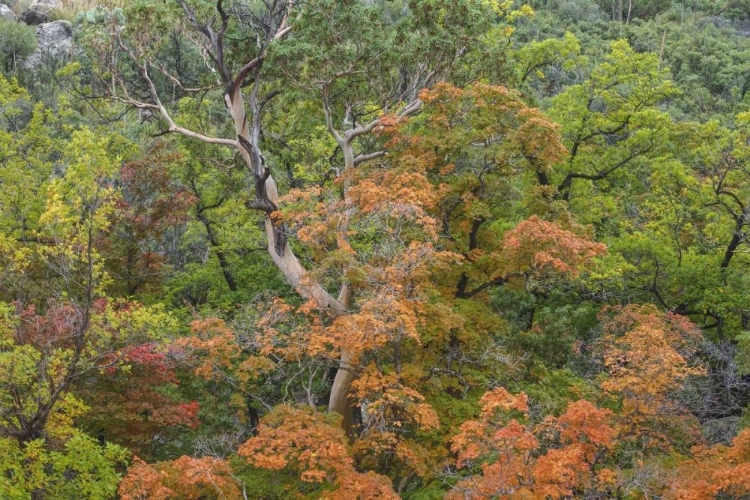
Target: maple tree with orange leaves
<point>557,458</point>
<point>354,249</point>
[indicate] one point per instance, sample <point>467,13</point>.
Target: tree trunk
<point>223,262</point>
<point>248,134</point>
<point>247,125</point>
<point>630,6</point>
<point>339,400</point>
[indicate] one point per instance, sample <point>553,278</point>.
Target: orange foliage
<point>313,444</point>
<point>473,142</point>
<point>382,318</point>
<point>647,354</point>
<point>390,403</point>
<point>213,339</point>
<point>397,201</point>
<point>186,478</point>
<point>212,351</point>
<point>537,245</point>
<point>390,280</point>
<point>718,472</point>
<point>391,411</point>
<point>501,399</point>
<point>643,364</point>
<point>512,458</point>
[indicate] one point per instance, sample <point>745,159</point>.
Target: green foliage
<point>611,125</point>
<point>262,484</point>
<point>99,15</point>
<point>139,303</point>
<point>547,64</point>
<point>17,41</point>
<point>80,468</point>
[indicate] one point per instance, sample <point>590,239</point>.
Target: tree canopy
<point>355,249</point>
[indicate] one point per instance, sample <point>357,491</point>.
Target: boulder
<point>39,11</point>
<point>55,41</point>
<point>46,7</point>
<point>33,17</point>
<point>6,12</point>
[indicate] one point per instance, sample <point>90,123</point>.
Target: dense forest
<point>374,249</point>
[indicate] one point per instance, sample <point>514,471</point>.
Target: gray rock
<point>46,7</point>
<point>39,11</point>
<point>55,42</point>
<point>6,12</point>
<point>9,3</point>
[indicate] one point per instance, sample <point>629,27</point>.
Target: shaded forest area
<point>374,249</point>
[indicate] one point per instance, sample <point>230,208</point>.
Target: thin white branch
<point>371,156</point>
<point>157,105</point>
<point>176,81</point>
<point>352,134</point>
<point>284,27</point>
<point>173,127</point>
<point>282,33</point>
<point>410,109</point>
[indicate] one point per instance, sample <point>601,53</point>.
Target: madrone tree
<point>257,50</point>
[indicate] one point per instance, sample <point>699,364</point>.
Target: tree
<point>314,445</point>
<point>184,478</point>
<point>58,327</point>
<point>647,356</point>
<point>80,467</point>
<point>718,472</point>
<point>611,122</point>
<point>558,458</point>
<point>139,52</point>
<point>150,208</point>
<point>138,404</point>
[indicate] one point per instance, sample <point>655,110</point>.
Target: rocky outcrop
<point>46,6</point>
<point>55,41</point>
<point>39,11</point>
<point>6,12</point>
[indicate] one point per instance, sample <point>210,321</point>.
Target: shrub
<point>17,41</point>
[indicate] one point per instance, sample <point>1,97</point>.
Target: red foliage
<point>132,406</point>
<point>151,204</point>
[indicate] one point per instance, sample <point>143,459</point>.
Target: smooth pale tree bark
<point>248,137</point>
<point>245,105</point>
<point>339,401</point>
<point>246,112</point>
